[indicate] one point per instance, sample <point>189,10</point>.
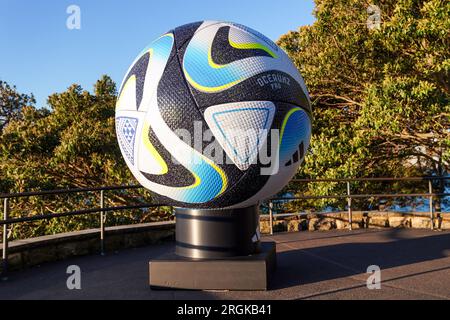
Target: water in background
<point>422,204</point>
<point>416,204</point>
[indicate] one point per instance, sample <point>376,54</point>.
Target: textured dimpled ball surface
<point>213,115</point>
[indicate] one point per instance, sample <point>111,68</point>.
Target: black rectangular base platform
<point>238,273</point>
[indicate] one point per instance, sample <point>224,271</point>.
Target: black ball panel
<point>177,175</point>
<point>179,111</point>
<point>257,88</point>
<point>184,33</point>
<point>267,86</point>
<point>181,105</point>
<point>138,70</point>
<point>223,53</point>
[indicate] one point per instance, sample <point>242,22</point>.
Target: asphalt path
<point>414,264</point>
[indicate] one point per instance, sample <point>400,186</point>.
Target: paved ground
<point>415,264</point>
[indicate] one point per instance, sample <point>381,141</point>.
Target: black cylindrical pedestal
<point>216,249</point>
<point>216,233</point>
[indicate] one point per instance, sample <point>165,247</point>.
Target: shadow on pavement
<point>303,266</point>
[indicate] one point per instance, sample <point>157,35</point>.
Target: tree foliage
<point>72,145</point>
<point>380,106</point>
<point>380,95</point>
<point>11,103</point>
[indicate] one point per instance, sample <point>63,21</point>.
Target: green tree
<point>12,103</point>
<point>380,95</point>
<point>73,144</point>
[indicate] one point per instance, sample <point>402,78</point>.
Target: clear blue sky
<point>40,55</point>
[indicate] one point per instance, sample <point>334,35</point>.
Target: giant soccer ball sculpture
<point>213,117</point>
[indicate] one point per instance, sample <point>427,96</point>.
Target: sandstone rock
<point>357,225</point>
<point>394,214</point>
<point>326,224</point>
<point>420,222</point>
<point>341,224</point>
<point>279,226</point>
<point>264,226</point>
<point>356,216</point>
<point>445,224</point>
<point>293,225</point>
<point>303,224</point>
<point>398,222</point>
<point>378,222</point>
<point>313,223</point>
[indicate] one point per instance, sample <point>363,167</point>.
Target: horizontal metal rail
<point>349,196</point>
<point>352,196</point>
<point>77,213</point>
<point>280,215</point>
<point>107,188</point>
<point>8,221</point>
<point>66,191</point>
<point>426,178</point>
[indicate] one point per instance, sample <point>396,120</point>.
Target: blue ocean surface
<point>411,204</point>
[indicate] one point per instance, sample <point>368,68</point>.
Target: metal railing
<point>7,222</point>
<point>349,196</point>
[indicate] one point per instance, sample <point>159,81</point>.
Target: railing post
<point>430,191</point>
<point>271,216</point>
<point>5,239</point>
<point>102,222</point>
<point>349,205</point>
